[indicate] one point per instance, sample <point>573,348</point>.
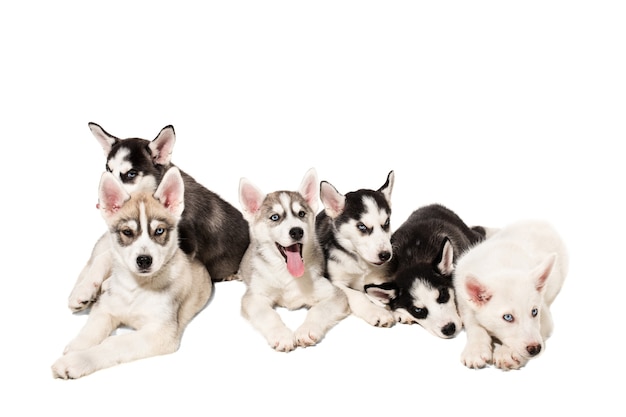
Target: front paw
<point>83,295</point>
<point>379,317</point>
<point>506,359</point>
<point>308,335</point>
<point>476,356</point>
<point>282,341</point>
<point>71,366</point>
<point>403,316</point>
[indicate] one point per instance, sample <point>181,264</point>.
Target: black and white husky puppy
<point>210,230</point>
<point>425,248</point>
<point>354,231</point>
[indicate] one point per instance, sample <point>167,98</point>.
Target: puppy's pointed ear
<point>444,262</point>
<point>163,145</point>
<point>478,293</point>
<point>171,192</point>
<point>309,189</point>
<point>388,187</point>
<point>250,198</point>
<point>384,293</point>
<point>105,139</point>
<point>111,195</point>
<point>334,202</point>
<point>542,271</point>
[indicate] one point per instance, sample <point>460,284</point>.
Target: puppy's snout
<point>533,350</point>
<point>384,256</point>
<point>449,329</point>
<point>144,261</point>
<point>296,233</point>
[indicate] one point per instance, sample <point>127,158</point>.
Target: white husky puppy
<point>505,286</point>
<point>283,266</point>
<point>154,287</point>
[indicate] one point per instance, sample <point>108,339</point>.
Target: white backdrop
<point>500,111</point>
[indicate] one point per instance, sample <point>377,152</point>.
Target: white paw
<point>476,356</point>
<point>83,295</point>
<point>282,341</point>
<point>378,316</point>
<point>506,359</point>
<point>72,366</point>
<point>308,335</point>
<point>402,316</point>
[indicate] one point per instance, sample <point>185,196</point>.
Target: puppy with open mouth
<point>283,266</point>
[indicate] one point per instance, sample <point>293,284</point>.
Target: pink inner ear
<point>111,196</point>
<point>333,201</point>
<point>477,292</point>
<point>250,198</point>
<point>163,146</point>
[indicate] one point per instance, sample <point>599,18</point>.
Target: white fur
<point>352,273</point>
<point>156,300</point>
<point>268,281</point>
<point>500,283</point>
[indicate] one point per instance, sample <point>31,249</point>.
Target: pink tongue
<point>295,266</point>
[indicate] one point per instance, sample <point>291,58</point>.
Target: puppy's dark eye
<point>509,318</point>
<point>301,213</point>
<point>274,217</point>
<point>387,224</point>
<point>127,232</point>
<point>419,313</point>
<point>534,312</point>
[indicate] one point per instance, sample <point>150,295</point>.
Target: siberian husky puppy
<point>154,287</point>
<point>211,229</point>
<point>283,266</point>
<point>505,286</point>
<point>426,247</point>
<point>354,231</point>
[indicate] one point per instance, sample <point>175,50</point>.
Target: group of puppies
<point>169,239</point>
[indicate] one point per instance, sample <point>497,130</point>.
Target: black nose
<point>296,233</point>
<point>144,261</point>
<point>448,329</point>
<point>533,350</point>
<point>384,256</point>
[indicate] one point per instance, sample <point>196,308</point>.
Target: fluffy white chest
<point>133,304</point>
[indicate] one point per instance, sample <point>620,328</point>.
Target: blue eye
<point>127,232</point>
<point>534,312</point>
<point>159,231</point>
<point>131,174</point>
<point>301,213</point>
<point>419,313</point>
<point>361,227</point>
<point>508,317</point>
<point>274,217</point>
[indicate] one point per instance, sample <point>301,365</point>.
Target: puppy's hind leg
<point>322,316</point>
<point>149,341</point>
<point>88,285</point>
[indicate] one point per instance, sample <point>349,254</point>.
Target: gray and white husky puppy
<point>283,266</point>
